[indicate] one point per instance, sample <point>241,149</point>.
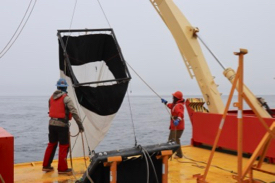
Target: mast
<point>184,35</point>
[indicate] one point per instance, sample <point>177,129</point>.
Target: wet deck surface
<point>181,170</point>
<point>32,172</point>
<point>221,171</point>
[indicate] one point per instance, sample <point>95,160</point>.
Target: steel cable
<point>17,27</point>
<point>147,165</point>
<point>104,13</point>
<point>133,126</point>
<point>155,173</point>
<point>211,52</point>
<point>17,30</point>
<point>70,26</point>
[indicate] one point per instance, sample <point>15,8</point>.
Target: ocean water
<point>143,118</point>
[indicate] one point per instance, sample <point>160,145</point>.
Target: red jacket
<point>57,108</point>
<point>177,111</point>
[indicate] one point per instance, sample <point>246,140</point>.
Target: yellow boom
<point>186,39</point>
<point>191,52</point>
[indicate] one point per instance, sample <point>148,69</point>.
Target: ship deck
<point>180,170</point>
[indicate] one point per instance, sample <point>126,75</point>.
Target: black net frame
<point>65,58</point>
<point>94,45</point>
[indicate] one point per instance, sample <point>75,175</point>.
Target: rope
<point>148,86</point>
<point>87,141</point>
<point>75,141</point>
<point>132,118</point>
<point>195,162</point>
<point>81,134</point>
<point>156,94</point>
<point>165,106</point>
<point>18,29</point>
<point>74,92</point>
<point>143,80</point>
<point>71,159</point>
<point>90,179</point>
<point>73,135</point>
<point>83,146</point>
<point>104,14</point>
<point>83,158</point>
<point>90,152</point>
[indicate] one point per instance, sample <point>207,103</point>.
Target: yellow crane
<point>186,38</point>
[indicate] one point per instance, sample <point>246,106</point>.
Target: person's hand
<point>176,122</point>
<point>81,128</point>
<point>164,101</point>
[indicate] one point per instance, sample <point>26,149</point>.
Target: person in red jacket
<point>177,119</point>
<point>61,110</point>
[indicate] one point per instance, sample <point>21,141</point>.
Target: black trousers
<point>59,134</point>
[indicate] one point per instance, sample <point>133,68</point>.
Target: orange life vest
<point>57,108</point>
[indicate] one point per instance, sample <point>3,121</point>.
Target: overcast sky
<point>31,65</point>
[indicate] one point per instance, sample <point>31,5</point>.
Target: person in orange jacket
<point>61,110</point>
<point>177,119</point>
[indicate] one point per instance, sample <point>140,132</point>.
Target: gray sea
<point>143,118</point>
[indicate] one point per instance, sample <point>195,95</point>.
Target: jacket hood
<point>57,94</point>
<point>180,101</point>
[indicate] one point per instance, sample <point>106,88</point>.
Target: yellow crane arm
<point>186,39</point>
<point>250,98</point>
<point>184,35</point>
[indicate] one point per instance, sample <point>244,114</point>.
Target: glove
<point>81,128</point>
<point>164,101</point>
<point>176,122</point>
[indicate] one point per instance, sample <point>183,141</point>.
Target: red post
<point>6,156</point>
